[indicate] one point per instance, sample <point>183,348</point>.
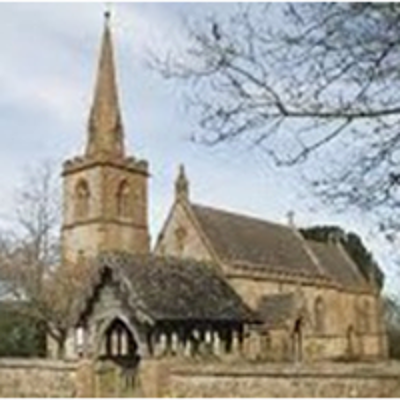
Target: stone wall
<point>181,238</point>
<point>276,380</point>
<point>199,378</point>
<point>43,378</point>
<point>352,320</point>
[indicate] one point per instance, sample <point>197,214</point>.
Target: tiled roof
<point>177,289</point>
<point>337,264</point>
<point>262,245</point>
<point>237,238</point>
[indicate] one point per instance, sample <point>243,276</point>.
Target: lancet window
<point>82,196</point>
<point>123,200</point>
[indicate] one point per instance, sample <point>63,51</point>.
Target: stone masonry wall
<point>201,378</point>
<point>43,378</point>
<point>279,380</point>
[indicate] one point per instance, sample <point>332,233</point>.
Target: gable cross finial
<point>290,218</point>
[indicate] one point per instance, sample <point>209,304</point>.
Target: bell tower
<point>105,192</point>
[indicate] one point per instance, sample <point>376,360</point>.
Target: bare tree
<point>31,249</point>
<point>30,269</point>
<point>304,82</point>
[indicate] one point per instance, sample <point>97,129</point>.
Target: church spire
<point>105,124</point>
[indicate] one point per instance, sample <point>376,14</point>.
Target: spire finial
<point>105,124</point>
<point>182,185</point>
<point>107,13</point>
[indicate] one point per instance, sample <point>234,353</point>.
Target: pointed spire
<point>182,185</point>
<point>105,124</point>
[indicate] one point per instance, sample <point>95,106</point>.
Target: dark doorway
<point>119,344</point>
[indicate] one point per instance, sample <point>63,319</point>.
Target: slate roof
<point>276,310</point>
<point>178,289</point>
<point>262,245</point>
<point>337,265</point>
<point>242,239</point>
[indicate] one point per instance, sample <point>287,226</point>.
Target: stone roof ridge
<point>123,255</point>
<point>244,216</point>
<point>188,209</point>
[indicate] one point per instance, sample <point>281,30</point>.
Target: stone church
<point>217,284</point>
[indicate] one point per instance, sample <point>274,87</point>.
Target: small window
<point>82,196</point>
<point>351,341</point>
<point>123,200</point>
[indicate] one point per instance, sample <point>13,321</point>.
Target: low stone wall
<point>280,380</point>
<point>202,378</point>
<point>41,378</point>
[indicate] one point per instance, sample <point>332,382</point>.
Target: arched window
<point>297,340</point>
<point>123,200</point>
<point>351,341</point>
<point>319,313</point>
<point>82,196</point>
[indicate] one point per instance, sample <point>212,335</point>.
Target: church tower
<point>105,192</point>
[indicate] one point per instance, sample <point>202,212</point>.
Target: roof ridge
<point>152,256</point>
<point>189,209</point>
<point>238,214</point>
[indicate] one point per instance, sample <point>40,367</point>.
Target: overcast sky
<point>49,56</point>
